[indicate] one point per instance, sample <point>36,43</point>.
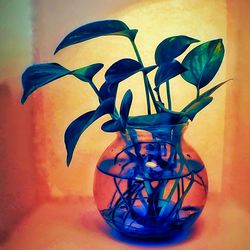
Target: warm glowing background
<point>33,168</point>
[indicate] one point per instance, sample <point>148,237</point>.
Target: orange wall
<point>21,188</point>
<point>32,151</point>
<point>237,125</point>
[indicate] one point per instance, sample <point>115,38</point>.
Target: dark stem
<point>119,191</point>
<point>113,197</point>
<point>123,197</point>
<point>203,183</point>
<point>137,192</point>
<point>198,93</point>
<point>148,89</point>
<point>168,95</point>
<point>91,83</point>
<point>182,185</point>
<point>159,96</point>
<point>178,204</point>
<point>176,184</point>
<point>145,83</point>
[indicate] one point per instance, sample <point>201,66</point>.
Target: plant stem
<point>168,95</point>
<point>94,88</point>
<point>137,148</point>
<point>179,202</point>
<point>198,93</point>
<point>133,200</point>
<point>159,96</point>
<point>203,183</point>
<point>184,161</point>
<point>113,197</point>
<point>176,184</point>
<point>151,93</point>
<point>145,82</point>
<point>148,89</point>
<point>121,195</point>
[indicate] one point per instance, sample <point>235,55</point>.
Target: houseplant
<point>155,183</point>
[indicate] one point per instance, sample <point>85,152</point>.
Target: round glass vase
<point>149,183</point>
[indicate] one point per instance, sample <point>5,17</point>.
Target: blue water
<point>139,225</point>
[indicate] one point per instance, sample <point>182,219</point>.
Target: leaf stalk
<point>148,89</point>
<point>168,95</point>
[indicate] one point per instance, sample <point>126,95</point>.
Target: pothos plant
<point>198,68</point>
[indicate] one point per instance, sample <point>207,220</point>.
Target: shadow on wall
<point>19,181</point>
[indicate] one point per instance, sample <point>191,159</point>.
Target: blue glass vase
<point>149,183</point>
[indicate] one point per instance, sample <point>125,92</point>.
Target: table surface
<point>75,224</point>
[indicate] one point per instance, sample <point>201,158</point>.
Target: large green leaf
<point>121,123</point>
<point>86,74</point>
<point>203,62</point>
<point>205,94</point>
<point>172,47</point>
<point>112,126</point>
<point>123,69</point>
<point>167,71</point>
<point>125,107</point>
<point>78,126</point>
<point>196,107</point>
<point>96,29</point>
<point>118,72</point>
<point>212,90</point>
<point>39,75</point>
<point>106,91</point>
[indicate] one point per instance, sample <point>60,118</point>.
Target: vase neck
<point>165,133</point>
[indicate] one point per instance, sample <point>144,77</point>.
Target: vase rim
<point>154,121</point>
<point>158,126</point>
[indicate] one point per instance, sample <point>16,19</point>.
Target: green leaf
<point>78,126</point>
<point>212,90</point>
<point>121,123</point>
<point>96,29</point>
<point>123,69</point>
<point>106,91</point>
<point>167,71</point>
<point>203,62</point>
<point>206,94</point>
<point>39,75</point>
<point>87,73</point>
<point>112,126</point>
<point>125,107</point>
<point>172,47</point>
<point>196,107</point>
<point>118,72</point>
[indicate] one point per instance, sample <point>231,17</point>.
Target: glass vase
<point>149,183</point>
